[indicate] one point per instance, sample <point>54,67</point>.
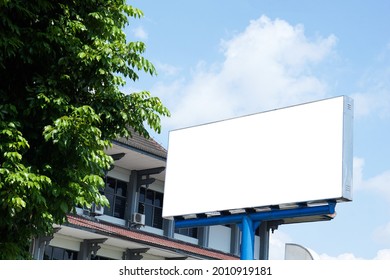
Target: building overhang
<point>124,238</point>
<point>136,159</point>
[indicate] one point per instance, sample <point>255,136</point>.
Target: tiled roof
<point>141,143</point>
<point>147,238</point>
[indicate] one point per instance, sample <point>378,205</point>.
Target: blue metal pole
<point>247,239</point>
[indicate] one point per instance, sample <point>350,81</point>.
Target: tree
<point>62,66</point>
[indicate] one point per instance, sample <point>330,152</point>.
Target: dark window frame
<point>117,196</point>
<point>58,253</point>
<point>150,203</point>
<point>191,232</point>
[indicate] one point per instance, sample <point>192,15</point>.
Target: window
<point>56,253</point>
<point>150,204</point>
<point>115,192</point>
<point>191,232</point>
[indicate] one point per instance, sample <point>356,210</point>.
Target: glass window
<point>158,199</point>
<point>70,255</point>
<point>115,192</point>
<point>121,188</point>
<point>157,220</point>
<point>56,253</point>
<point>142,195</point>
<point>110,185</point>
<point>120,207</point>
<point>149,197</point>
<point>110,198</point>
<point>150,204</point>
<point>148,211</point>
<point>191,232</point>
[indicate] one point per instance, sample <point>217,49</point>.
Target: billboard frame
<point>322,208</point>
<point>243,177</point>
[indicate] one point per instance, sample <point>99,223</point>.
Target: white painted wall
<point>219,238</point>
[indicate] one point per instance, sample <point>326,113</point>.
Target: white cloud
<point>140,33</point>
<point>358,164</point>
<point>266,66</point>
<point>375,96</point>
<point>277,244</point>
<point>383,254</point>
<point>379,183</point>
<point>364,104</point>
<point>279,239</point>
<point>167,69</point>
<point>376,102</point>
<point>344,256</point>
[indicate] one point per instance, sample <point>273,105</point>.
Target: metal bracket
<point>90,247</point>
<point>134,254</point>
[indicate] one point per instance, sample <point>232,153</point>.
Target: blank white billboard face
<point>296,154</point>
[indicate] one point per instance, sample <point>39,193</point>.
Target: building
<point>133,228</point>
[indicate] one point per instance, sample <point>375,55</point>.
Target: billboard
<point>297,154</point>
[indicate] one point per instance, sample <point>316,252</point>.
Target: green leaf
<point>64,207</point>
<point>82,55</point>
<point>62,68</point>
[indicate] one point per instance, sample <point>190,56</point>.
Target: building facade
<point>132,228</point>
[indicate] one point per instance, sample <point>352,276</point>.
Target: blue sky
<point>222,59</point>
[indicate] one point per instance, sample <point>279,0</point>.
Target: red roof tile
<point>147,238</point>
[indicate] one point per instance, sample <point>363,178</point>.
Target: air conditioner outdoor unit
<point>138,219</point>
<point>97,210</point>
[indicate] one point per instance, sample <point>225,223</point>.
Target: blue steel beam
<point>302,211</point>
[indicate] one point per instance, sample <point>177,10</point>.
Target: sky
<point>227,58</point>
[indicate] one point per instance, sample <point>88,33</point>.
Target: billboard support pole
<point>248,223</point>
<point>248,238</point>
